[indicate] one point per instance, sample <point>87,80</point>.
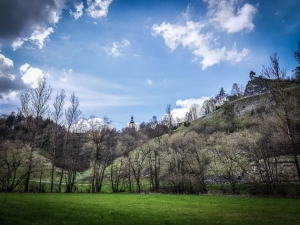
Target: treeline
<point>40,138</point>
<point>50,143</point>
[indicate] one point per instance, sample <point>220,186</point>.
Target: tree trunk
<point>60,180</point>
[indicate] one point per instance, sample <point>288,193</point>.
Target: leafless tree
<point>193,113</point>
<point>75,158</point>
<point>34,105</point>
<point>285,106</point>
<point>197,159</point>
<point>138,162</point>
<point>103,138</point>
<point>257,147</point>
<point>168,118</point>
<point>228,164</point>
<point>13,158</point>
<point>56,134</point>
<point>209,106</point>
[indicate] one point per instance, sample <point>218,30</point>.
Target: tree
<point>285,106</point>
<point>34,105</point>
<point>260,147</point>
<point>296,71</point>
<point>56,134</point>
<point>187,163</point>
<point>75,159</point>
<point>137,163</point>
<point>197,159</point>
<point>237,90</point>
<point>103,138</point>
<point>296,74</point>
<point>297,52</point>
<point>168,117</point>
<point>229,164</point>
<point>209,106</point>
<point>193,113</point>
<point>13,158</point>
<point>221,96</point>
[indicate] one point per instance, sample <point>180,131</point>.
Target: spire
<point>131,124</point>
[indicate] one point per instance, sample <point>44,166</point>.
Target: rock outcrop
<point>255,86</point>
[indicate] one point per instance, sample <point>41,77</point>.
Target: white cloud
<point>185,15</point>
<point>8,62</point>
<point>227,15</point>
<point>17,43</point>
<point>24,67</point>
<point>31,75</point>
<point>116,49</point>
<point>149,82</point>
<point>40,35</point>
<point>54,15</point>
<point>200,43</point>
<point>98,8</point>
<point>185,106</point>
<point>78,11</point>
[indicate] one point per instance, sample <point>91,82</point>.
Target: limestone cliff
<point>255,86</point>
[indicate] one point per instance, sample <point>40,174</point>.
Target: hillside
<point>248,145</point>
<point>242,142</point>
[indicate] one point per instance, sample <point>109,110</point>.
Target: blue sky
<point>124,58</point>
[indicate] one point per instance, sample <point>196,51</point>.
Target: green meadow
<point>145,209</point>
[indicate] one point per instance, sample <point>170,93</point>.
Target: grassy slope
<point>145,209</point>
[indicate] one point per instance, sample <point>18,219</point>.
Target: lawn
<point>145,209</point>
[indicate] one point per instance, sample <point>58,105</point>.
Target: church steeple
<point>131,124</point>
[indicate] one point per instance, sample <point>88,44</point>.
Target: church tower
<point>131,124</point>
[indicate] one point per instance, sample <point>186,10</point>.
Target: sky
<point>126,58</point>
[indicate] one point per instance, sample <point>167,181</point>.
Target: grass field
<point>145,209</point>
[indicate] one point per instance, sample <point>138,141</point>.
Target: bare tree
<point>75,158</point>
<point>193,113</point>
<point>197,159</point>
<point>258,148</point>
<point>168,117</point>
<point>34,105</point>
<point>56,134</point>
<point>103,138</point>
<point>155,162</point>
<point>296,71</point>
<point>284,104</point>
<point>13,158</point>
<point>209,106</point>
<point>137,163</point>
<point>229,164</point>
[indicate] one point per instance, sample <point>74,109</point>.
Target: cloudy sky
<point>126,57</point>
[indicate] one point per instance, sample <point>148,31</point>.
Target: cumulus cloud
<point>78,11</point>
<point>40,35</point>
<point>20,21</point>
<point>227,15</point>
<point>116,49</point>
<point>199,38</point>
<point>10,84</point>
<point>31,75</point>
<point>185,105</point>
<point>192,36</point>
<point>98,8</point>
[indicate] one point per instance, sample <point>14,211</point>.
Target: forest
<point>233,144</point>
